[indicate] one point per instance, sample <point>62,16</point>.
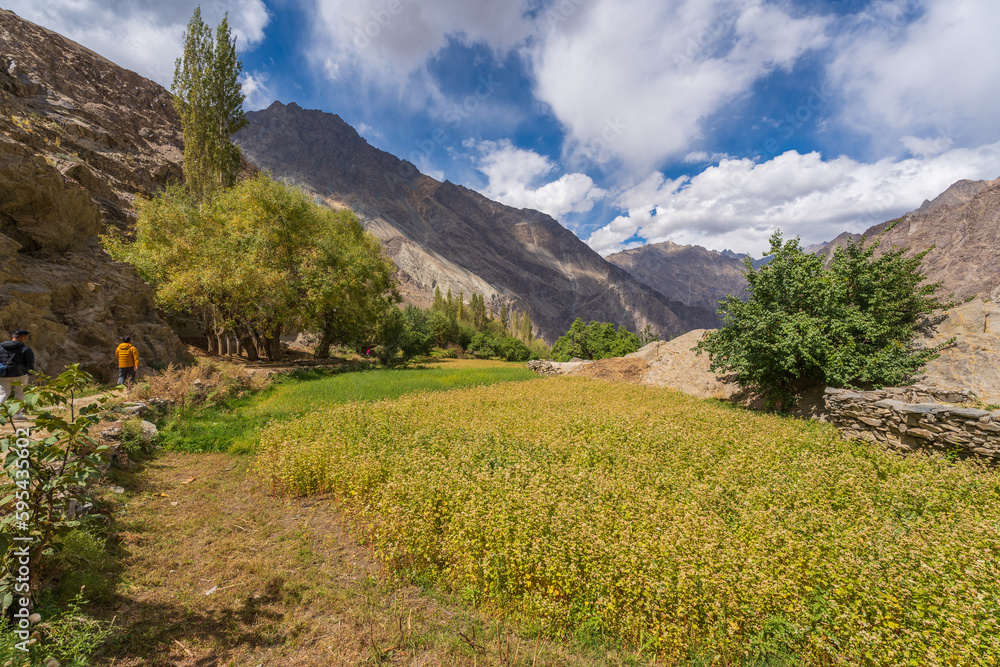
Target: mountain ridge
<point>445,235</point>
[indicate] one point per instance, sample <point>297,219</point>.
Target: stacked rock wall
<point>892,418</point>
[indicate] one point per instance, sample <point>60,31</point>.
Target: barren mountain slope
<point>689,273</point>
<point>963,226</point>
<point>79,138</point>
<point>442,234</point>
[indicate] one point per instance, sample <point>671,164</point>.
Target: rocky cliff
<point>688,273</point>
<point>442,234</point>
<point>80,137</point>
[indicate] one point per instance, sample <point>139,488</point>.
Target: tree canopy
<point>849,325</point>
<point>596,340</point>
<point>259,258</point>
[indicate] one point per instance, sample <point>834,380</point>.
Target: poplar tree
<point>209,101</point>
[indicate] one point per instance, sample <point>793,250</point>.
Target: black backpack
<point>11,367</point>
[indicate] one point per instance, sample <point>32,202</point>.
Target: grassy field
<point>674,526</point>
<point>233,425</point>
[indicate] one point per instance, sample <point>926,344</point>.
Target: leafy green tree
<point>257,259</point>
<point>417,337</point>
<point>209,101</point>
<point>805,325</point>
<point>596,340</point>
<point>514,349</point>
<point>443,327</point>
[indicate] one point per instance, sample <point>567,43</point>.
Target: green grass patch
<point>652,520</point>
<point>232,425</point>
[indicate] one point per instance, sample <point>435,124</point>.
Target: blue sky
<point>630,121</point>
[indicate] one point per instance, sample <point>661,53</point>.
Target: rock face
<point>973,362</point>
<point>963,226</point>
<point>441,234</point>
<point>80,137</point>
<point>688,273</point>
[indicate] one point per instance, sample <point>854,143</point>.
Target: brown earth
<point>80,139</point>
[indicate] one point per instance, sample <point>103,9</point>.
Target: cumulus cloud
<point>142,35</point>
<point>397,37</point>
<point>655,70</point>
<point>928,77</point>
<point>513,173</point>
<point>739,203</point>
<point>256,91</point>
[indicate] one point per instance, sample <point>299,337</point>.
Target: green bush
<point>596,340</point>
<point>488,344</point>
<point>67,635</point>
<point>805,325</point>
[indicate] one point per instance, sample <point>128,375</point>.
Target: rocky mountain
<point>442,234</point>
<point>80,137</point>
<point>963,226</point>
<point>689,273</point>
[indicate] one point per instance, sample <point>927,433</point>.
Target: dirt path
<point>213,571</point>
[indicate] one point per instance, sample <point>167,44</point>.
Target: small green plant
<point>70,637</point>
<point>49,478</point>
<point>133,438</point>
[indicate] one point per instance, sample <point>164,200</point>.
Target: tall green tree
<point>209,101</point>
<point>850,325</point>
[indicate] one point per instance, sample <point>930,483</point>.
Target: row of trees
<point>260,258</point>
<point>472,326</point>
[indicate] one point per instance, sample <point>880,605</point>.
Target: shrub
<point>47,476</point>
<point>803,325</point>
<point>194,384</point>
<point>596,340</point>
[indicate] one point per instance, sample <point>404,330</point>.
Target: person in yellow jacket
<point>128,361</point>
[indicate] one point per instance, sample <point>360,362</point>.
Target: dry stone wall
<point>912,418</point>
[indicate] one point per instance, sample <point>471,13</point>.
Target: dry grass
<point>207,379</point>
<point>293,587</point>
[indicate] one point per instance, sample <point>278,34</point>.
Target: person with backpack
<point>128,361</point>
<point>16,361</point>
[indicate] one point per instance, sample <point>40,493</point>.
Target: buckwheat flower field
<point>648,519</point>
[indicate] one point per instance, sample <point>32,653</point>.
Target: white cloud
<point>397,37</point>
<point>144,35</point>
<point>701,157</point>
<point>256,91</point>
<point>930,77</point>
<point>513,173</point>
<point>655,70</point>
<point>738,204</point>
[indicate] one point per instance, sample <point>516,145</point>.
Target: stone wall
<point>912,418</point>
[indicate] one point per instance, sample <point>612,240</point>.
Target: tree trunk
<point>247,340</point>
<point>322,350</point>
